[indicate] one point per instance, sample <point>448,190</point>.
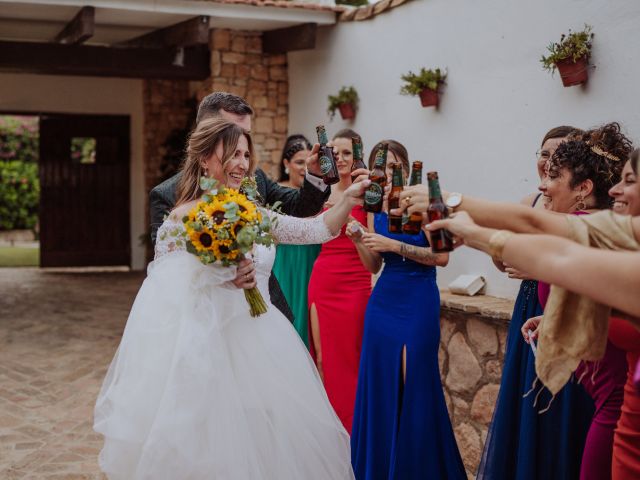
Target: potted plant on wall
<point>426,84</point>
<point>570,56</point>
<point>346,101</point>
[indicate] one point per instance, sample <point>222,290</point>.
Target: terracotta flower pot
<point>347,111</point>
<point>429,98</point>
<point>573,73</point>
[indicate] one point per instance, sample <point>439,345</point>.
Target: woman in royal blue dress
<point>401,427</point>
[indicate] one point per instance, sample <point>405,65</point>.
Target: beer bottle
<point>397,184</point>
<point>441,240</point>
<point>326,158</point>
<point>413,223</point>
<point>374,194</point>
<point>358,162</point>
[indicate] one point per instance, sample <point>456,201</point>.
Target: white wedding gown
<point>200,390</point>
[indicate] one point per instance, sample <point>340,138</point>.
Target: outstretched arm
<point>324,227</point>
<point>609,277</point>
<point>504,216</point>
<point>305,202</point>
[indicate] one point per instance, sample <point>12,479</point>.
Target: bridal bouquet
<point>225,226</point>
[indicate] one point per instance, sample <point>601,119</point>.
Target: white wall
<point>89,95</point>
<point>498,102</point>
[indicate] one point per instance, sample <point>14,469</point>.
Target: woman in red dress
<point>339,290</point>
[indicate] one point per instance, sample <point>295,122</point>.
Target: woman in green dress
<point>294,263</point>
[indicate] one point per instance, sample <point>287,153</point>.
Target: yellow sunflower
<point>203,241</point>
<point>248,210</point>
<point>215,210</point>
<point>222,250</point>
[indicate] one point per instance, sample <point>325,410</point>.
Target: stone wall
<point>239,66</point>
<point>472,346</point>
<point>166,108</point>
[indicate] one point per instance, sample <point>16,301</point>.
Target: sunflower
<point>203,241</point>
<point>247,208</point>
<point>222,250</point>
<point>215,210</point>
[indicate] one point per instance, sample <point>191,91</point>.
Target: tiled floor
<point>58,333</point>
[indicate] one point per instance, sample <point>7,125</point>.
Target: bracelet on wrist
<point>497,242</point>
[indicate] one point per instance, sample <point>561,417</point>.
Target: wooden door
<point>84,181</point>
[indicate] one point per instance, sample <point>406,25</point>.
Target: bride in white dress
<point>199,389</point>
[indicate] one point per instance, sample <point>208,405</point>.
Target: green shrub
<point>19,138</point>
<point>19,195</point>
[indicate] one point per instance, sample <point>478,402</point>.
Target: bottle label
<point>373,194</point>
<point>434,189</point>
<point>325,164</point>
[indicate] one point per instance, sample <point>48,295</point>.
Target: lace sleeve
<point>170,238</point>
<point>301,231</point>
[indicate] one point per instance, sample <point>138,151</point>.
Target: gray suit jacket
<point>305,202</point>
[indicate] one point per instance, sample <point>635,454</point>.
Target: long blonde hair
<point>202,143</point>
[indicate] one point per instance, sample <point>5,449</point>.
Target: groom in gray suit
<point>305,202</point>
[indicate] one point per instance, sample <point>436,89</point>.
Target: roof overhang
<point>118,21</point>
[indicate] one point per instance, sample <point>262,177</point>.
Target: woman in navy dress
<point>522,443</point>
<point>401,427</point>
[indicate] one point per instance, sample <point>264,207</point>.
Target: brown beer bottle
<point>374,194</point>
<point>397,185</point>
<point>413,223</point>
<point>358,162</point>
<point>441,240</point>
<point>326,159</point>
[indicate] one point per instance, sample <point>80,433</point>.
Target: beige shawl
<point>574,327</point>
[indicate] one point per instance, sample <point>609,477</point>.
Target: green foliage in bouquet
<point>573,45</point>
<point>345,95</point>
<point>415,83</point>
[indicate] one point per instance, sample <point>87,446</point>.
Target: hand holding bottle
<point>313,166</point>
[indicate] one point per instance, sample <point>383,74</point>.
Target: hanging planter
<point>347,111</point>
<point>571,57</point>
<point>425,84</point>
<point>573,73</point>
<point>429,98</point>
<point>346,102</point>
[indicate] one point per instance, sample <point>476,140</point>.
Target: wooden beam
<point>282,40</point>
<point>80,29</point>
<point>194,31</point>
<point>57,59</point>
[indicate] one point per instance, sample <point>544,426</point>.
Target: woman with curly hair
<point>522,444</point>
<point>579,177</point>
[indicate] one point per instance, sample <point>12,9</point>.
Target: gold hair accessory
<point>497,243</point>
<point>598,151</point>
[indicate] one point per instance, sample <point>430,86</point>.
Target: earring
<point>206,171</point>
<point>286,170</point>
<point>581,204</point>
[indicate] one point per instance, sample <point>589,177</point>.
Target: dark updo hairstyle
<point>397,149</point>
<point>294,144</point>
<point>597,155</point>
